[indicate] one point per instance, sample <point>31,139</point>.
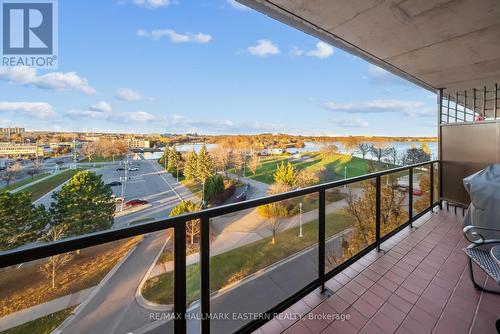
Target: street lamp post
<point>177,165</point>
<point>345,175</point>
<point>203,194</point>
<point>122,180</point>
<point>300,220</point>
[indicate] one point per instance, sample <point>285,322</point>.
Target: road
<point>114,308</point>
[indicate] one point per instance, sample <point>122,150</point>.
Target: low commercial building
<point>18,150</point>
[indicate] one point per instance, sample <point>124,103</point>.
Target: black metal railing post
<point>378,203</point>
<point>410,196</point>
<point>322,238</point>
<point>431,191</point>
<point>205,274</point>
<point>180,325</point>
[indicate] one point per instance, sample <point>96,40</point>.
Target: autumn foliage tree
<point>273,212</point>
<point>362,210</point>
<point>192,226</point>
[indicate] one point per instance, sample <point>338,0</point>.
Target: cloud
<point>263,48</point>
<point>322,51</point>
<point>102,106</point>
<point>40,110</point>
<point>127,94</point>
<point>139,116</point>
<point>410,108</point>
<point>174,37</point>
<point>237,5</point>
<point>353,122</point>
<point>153,4</point>
<point>217,126</point>
<point>23,75</point>
<point>94,114</point>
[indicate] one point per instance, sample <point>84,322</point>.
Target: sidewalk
<point>225,243</point>
<point>41,310</point>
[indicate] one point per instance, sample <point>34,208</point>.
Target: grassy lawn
<point>196,188</point>
<point>232,266</point>
<point>43,187</point>
<point>329,169</point>
<point>43,325</point>
<point>24,182</point>
<point>28,286</point>
<point>103,159</point>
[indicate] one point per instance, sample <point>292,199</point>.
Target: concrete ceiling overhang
<point>452,44</point>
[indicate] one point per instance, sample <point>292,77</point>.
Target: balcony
<point>420,284</point>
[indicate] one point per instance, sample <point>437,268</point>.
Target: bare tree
<point>56,262</point>
<point>364,149</point>
<point>222,158</point>
<point>350,144</point>
<point>393,155</point>
<point>273,212</point>
<point>379,152</point>
<point>328,149</point>
<point>89,150</point>
<point>254,163</point>
<point>10,173</point>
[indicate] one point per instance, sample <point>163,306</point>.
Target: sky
<point>205,66</point>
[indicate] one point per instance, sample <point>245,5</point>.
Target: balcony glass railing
<point>293,243</point>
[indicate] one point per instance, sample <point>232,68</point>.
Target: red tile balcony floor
<point>419,285</point>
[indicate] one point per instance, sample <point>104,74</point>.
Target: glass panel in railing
<point>394,201</point>
<point>436,181</point>
<point>102,289</point>
<point>421,189</point>
<point>259,257</point>
<point>350,221</point>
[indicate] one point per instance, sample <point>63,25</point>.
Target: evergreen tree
<point>173,160</point>
<point>164,160</point>
<point>20,221</point>
<point>84,204</point>
<point>214,185</point>
<point>190,168</point>
<point>204,167</point>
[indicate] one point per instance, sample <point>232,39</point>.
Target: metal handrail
<point>40,251</point>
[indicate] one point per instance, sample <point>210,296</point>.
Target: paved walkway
<point>41,310</point>
<point>225,243</point>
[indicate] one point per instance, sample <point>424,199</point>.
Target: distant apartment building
<point>134,143</point>
<point>16,150</point>
<point>7,132</point>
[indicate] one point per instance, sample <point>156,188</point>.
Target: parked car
<point>133,169</point>
<point>135,202</point>
<point>120,169</point>
<point>114,184</point>
<point>417,192</point>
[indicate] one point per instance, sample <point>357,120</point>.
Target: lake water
<point>401,147</point>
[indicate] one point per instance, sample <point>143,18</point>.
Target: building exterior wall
<point>10,131</point>
<point>10,149</point>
